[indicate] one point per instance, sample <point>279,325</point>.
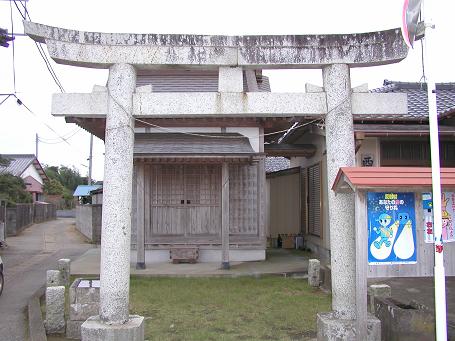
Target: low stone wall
<point>18,218</point>
<point>43,212</point>
<point>23,215</point>
<point>88,221</point>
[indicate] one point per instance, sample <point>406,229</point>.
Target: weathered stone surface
<point>82,311</point>
<point>331,328</point>
<point>72,290</point>
<point>251,104</point>
<point>93,104</point>
<point>64,266</point>
<point>95,330</point>
<point>230,79</point>
<point>53,278</point>
<point>403,321</point>
<point>87,295</point>
<point>117,192</point>
<point>73,329</point>
<point>314,266</point>
<point>101,50</point>
<point>55,310</point>
<point>377,290</point>
<point>340,153</point>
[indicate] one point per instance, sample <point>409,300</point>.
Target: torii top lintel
<point>147,51</point>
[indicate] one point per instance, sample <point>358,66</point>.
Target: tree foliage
<point>13,189</point>
<point>4,162</point>
<point>68,177</point>
<point>53,187</point>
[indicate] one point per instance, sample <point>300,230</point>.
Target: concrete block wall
<point>88,221</point>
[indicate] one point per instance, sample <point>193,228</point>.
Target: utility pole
<point>90,161</point>
<point>439,272</point>
<point>36,145</point>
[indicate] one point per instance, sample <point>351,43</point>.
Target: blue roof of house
<point>84,190</point>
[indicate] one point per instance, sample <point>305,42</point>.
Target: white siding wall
<point>31,171</point>
<point>370,146</point>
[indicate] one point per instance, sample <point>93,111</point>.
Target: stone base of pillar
<point>331,328</point>
<point>95,330</point>
<point>140,265</point>
<point>225,265</point>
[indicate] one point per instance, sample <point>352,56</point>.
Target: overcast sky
<point>35,86</point>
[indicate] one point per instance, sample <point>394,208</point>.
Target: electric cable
<point>13,49</point>
<point>41,50</point>
<point>19,101</point>
<point>215,136</point>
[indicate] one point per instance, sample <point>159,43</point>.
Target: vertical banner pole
<point>439,272</point>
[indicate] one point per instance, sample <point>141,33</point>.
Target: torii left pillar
<point>114,321</point>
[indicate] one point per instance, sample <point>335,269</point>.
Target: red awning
<point>380,177</point>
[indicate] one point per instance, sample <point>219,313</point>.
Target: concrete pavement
<point>26,260</point>
<point>279,262</point>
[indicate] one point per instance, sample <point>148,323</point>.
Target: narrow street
<point>26,260</point>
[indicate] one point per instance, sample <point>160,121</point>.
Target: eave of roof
<point>352,178</point>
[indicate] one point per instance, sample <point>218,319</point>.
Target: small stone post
<point>53,278</point>
<point>55,310</point>
<point>378,290</point>
<point>314,266</point>
<point>64,266</point>
<point>114,321</point>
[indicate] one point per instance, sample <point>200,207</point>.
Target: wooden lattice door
<point>185,200</point>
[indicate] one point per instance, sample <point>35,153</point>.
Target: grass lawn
<point>245,308</point>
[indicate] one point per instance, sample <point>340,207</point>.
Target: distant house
<point>28,168</point>
<point>83,192</point>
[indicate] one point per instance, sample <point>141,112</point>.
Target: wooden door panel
<point>203,220</point>
<point>203,199</point>
<point>168,221</point>
<point>185,200</point>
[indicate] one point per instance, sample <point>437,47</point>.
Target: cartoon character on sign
<point>446,218</point>
<point>385,232</point>
<point>381,248</point>
<point>404,247</point>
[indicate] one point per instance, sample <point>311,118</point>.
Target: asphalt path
<point>26,260</point>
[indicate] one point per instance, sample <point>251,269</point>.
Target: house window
<point>415,153</point>
<point>314,200</point>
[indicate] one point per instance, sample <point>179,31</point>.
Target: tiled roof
<point>18,163</point>
<point>418,100</point>
<point>184,144</point>
<point>276,163</point>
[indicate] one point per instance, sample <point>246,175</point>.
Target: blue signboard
<point>391,228</point>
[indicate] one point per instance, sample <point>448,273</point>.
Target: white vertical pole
<point>36,145</point>
<point>439,272</point>
<point>90,158</point>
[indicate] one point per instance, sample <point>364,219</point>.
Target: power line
<point>7,96</point>
<point>221,136</point>
<point>31,112</point>
<point>66,138</point>
<point>12,34</point>
<point>40,48</point>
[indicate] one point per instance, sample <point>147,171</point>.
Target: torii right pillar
<point>340,324</point>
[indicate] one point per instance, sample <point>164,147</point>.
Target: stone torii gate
<point>120,104</point>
